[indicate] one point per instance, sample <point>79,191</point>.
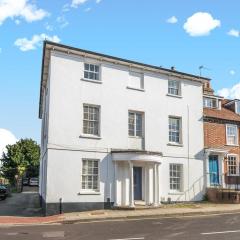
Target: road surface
<point>183,228</point>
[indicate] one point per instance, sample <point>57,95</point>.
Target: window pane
<point>174,130</point>
<point>91,68</point>
<point>91,71</point>
<point>232,165</point>
<point>86,66</point>
<point>173,87</point>
<point>138,125</point>
<point>90,174</point>
<point>86,75</point>
<point>175,176</point>
<point>91,75</point>
<point>135,124</point>
<point>210,102</point>
<point>232,134</point>
<point>96,68</point>
<point>91,120</point>
<point>238,107</point>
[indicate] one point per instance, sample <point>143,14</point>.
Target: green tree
<point>20,159</point>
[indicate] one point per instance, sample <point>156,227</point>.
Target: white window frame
<point>174,88</point>
<point>99,120</point>
<point>179,131</point>
<point>233,165</point>
<point>227,142</point>
<point>99,80</point>
<point>237,110</point>
<point>180,189</point>
<point>135,125</point>
<point>208,102</point>
<point>90,190</point>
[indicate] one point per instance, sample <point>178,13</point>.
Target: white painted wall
<point>67,95</point>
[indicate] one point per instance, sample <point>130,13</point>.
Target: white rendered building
<point>116,132</point>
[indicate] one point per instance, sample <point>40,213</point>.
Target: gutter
<point>42,69</point>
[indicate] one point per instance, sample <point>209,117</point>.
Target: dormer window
<point>234,105</point>
<point>210,102</point>
<point>237,107</point>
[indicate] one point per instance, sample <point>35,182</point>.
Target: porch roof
<point>222,150</point>
<point>136,155</point>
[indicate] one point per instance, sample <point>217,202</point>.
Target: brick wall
<point>215,137</point>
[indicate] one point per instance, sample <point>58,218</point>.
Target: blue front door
<point>137,177</point>
<point>213,170</point>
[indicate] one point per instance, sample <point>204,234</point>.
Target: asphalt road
<point>185,228</point>
<point>25,204</point>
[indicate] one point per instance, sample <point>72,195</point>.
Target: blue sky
<point>185,34</point>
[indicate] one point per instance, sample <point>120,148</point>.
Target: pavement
<point>162,211</point>
<point>214,227</point>
<point>25,204</point>
<point>165,211</point>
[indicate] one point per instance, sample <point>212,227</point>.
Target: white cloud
<point>66,8</point>
<point>201,24</point>
<point>172,20</point>
<point>234,33</point>
<point>232,93</point>
<point>87,9</point>
<point>76,3</point>
<point>232,72</point>
<point>17,22</point>
<point>62,21</point>
<point>6,137</point>
<point>20,8</point>
<point>25,44</point>
<point>49,27</point>
<point>98,1</point>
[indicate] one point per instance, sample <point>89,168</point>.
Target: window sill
<point>175,144</point>
<point>176,193</point>
<point>137,89</point>
<point>92,81</point>
<point>232,145</point>
<point>136,137</point>
<point>90,136</point>
<point>172,95</point>
<point>89,193</point>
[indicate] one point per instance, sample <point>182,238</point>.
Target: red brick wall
<point>215,137</point>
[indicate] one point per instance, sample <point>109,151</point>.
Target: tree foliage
<point>20,159</point>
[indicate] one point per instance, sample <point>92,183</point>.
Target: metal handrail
<point>204,181</point>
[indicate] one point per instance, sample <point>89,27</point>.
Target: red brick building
<point>221,139</point>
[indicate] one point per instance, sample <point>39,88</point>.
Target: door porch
<point>136,178</point>
<point>214,167</point>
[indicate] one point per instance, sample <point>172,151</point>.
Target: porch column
<point>158,183</point>
<point>223,171</point>
<point>131,185</point>
<point>155,185</point>
<point>116,183</point>
<point>147,200</point>
<point>207,176</point>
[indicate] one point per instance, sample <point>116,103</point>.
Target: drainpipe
<point>188,180</point>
